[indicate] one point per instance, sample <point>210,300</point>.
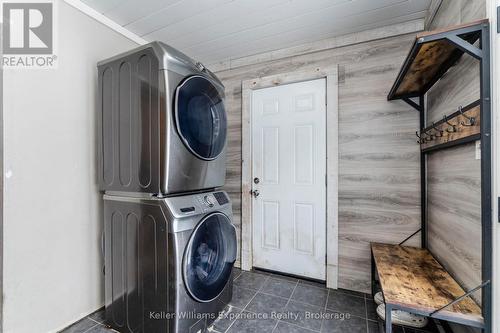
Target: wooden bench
<point>412,280</point>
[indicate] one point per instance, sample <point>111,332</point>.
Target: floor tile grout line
<point>102,323</point>
<point>288,301</point>
<point>295,325</point>
<point>245,308</point>
<point>91,327</point>
<point>287,298</point>
<point>325,309</point>
<point>273,295</point>
<point>291,295</point>
<point>231,325</point>
<point>263,284</point>
<point>258,290</point>
<point>366,315</point>
<point>276,325</point>
<point>321,326</point>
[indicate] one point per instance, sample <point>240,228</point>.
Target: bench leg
<point>388,319</point>
<point>373,275</point>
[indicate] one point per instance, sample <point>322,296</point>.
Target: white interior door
<point>289,173</point>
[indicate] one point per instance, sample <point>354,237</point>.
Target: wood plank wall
<point>379,182</point>
<point>454,176</point>
<point>454,212</point>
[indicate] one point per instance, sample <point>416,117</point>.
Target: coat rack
<point>461,127</point>
<point>432,55</point>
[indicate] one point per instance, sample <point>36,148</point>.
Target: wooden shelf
<point>432,54</point>
<point>413,280</point>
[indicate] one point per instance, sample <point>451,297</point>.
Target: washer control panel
<point>207,201</point>
<point>221,198</point>
<point>197,203</point>
<point>210,200</point>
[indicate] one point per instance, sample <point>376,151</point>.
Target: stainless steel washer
<point>162,125</point>
<point>168,262</point>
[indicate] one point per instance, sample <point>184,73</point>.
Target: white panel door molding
<point>270,106</point>
<point>289,173</point>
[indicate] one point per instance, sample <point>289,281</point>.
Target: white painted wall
<point>52,214</point>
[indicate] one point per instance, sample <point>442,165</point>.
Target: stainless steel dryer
<point>162,123</point>
<point>168,261</point>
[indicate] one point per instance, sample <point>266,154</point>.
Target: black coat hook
<point>429,137</point>
<point>437,130</point>
<point>453,126</point>
<point>471,120</point>
<point>420,139</point>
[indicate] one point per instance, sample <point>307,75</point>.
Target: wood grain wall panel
<point>233,171</point>
<point>454,212</point>
<point>460,86</point>
<point>458,11</point>
<point>449,14</point>
<point>454,175</point>
<point>379,169</point>
<point>453,12</point>
<point>472,10</point>
<point>379,198</point>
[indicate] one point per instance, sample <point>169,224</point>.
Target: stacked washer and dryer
<point>169,242</point>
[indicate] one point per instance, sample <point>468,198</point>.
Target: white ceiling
<point>217,30</point>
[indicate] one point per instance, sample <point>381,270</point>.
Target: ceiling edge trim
<point>89,11</point>
<point>324,44</point>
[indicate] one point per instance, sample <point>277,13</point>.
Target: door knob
<point>255,193</point>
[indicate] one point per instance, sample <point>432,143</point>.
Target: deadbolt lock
<point>256,180</point>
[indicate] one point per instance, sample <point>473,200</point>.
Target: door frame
<point>332,162</point>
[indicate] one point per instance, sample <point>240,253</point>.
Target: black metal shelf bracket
<point>458,299</point>
<point>466,46</point>
<point>419,107</point>
<point>409,237</point>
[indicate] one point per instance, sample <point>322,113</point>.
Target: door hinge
<point>498,210</point>
<point>498,19</point>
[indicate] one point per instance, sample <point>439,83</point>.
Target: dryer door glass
<point>201,117</point>
<point>209,257</point>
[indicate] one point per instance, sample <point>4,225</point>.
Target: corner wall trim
<point>89,11</point>
<point>433,9</point>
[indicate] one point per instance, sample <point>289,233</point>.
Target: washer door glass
<point>209,257</point>
<point>201,117</point>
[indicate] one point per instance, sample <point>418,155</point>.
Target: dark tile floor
<point>264,302</point>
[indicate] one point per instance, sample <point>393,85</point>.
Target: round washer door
<point>209,257</point>
<point>201,117</point>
